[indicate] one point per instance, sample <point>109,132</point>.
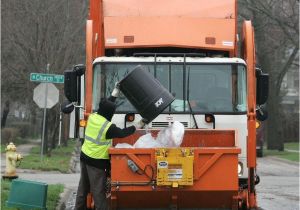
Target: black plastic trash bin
<point>145,93</point>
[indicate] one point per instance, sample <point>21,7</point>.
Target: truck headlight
<point>240,169</point>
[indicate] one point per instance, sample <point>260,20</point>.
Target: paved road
<point>279,186</point>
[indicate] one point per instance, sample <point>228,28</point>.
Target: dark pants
<point>91,180</point>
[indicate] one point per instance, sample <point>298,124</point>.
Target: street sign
<point>51,78</point>
<point>40,93</point>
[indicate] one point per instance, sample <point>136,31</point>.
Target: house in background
<point>290,105</point>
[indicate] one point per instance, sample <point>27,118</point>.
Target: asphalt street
<point>279,184</point>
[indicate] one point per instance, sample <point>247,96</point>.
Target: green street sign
<point>51,78</point>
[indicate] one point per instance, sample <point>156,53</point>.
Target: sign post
<point>45,95</point>
<point>44,116</point>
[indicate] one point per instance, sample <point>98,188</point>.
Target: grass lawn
<point>3,147</point>
<point>292,156</point>
<point>58,161</point>
<point>52,195</point>
<point>292,146</point>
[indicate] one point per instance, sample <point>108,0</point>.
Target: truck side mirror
<point>67,107</point>
<point>79,69</point>
<point>72,82</point>
<point>262,87</point>
<point>70,85</point>
<point>261,113</point>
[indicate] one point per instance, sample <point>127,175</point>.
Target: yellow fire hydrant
<point>11,160</point>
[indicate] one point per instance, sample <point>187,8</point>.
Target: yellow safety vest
<point>95,143</point>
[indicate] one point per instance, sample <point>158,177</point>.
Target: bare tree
<point>35,33</point>
<point>277,36</point>
<point>5,114</point>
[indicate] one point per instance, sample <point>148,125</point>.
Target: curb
<point>64,196</point>
<point>283,160</point>
<point>75,159</point>
<point>67,193</point>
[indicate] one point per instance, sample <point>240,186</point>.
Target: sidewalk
<point>291,150</point>
<point>22,149</point>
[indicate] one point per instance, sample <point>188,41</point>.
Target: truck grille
<point>165,124</point>
<point>185,124</point>
<point>159,124</point>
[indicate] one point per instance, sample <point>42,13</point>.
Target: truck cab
<point>201,86</point>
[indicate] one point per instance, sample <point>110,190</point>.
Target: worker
<point>94,157</point>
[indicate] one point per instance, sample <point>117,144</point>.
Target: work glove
<point>116,90</point>
<point>140,124</point>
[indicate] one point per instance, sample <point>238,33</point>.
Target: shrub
<point>25,128</point>
<point>9,135</point>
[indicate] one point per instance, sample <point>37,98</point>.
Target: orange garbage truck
<point>194,50</point>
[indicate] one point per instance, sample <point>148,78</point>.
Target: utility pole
<point>60,122</point>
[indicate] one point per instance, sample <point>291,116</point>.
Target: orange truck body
<point>206,25</point>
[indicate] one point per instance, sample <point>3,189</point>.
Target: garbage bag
<point>146,141</point>
<point>171,136</point>
<point>123,145</point>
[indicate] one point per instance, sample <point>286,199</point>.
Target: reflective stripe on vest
<point>95,144</point>
<point>98,140</point>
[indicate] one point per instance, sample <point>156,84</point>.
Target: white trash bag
<point>146,141</point>
<point>123,145</point>
<point>171,136</point>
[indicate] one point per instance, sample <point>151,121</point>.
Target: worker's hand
<point>116,90</point>
<point>140,124</point>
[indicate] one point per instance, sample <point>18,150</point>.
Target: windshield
<point>197,87</point>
